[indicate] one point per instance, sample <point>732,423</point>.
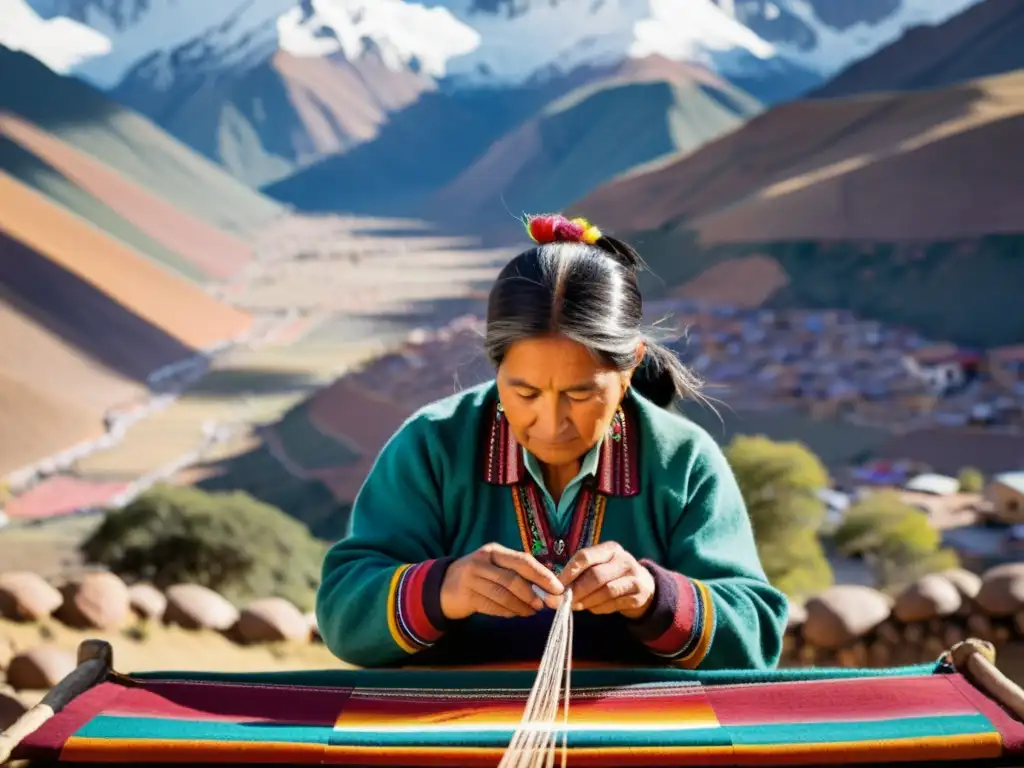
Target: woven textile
<point>618,717</point>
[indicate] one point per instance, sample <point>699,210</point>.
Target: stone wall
<point>855,626</point>
<point>103,602</point>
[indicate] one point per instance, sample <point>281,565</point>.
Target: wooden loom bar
<point>95,663</point>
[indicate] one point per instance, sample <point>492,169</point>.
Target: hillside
<point>893,205</point>
<point>651,110</point>
<point>420,148</point>
<point>81,117</point>
<point>118,205</point>
<point>266,122</point>
<point>79,306</point>
<point>986,39</point>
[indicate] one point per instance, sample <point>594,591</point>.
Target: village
<point>827,365</point>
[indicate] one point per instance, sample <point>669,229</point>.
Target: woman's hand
<point>496,581</point>
<point>605,578</point>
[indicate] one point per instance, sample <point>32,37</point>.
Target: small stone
<point>927,598</point>
<point>843,614</point>
<point>147,601</point>
<point>40,668</point>
<point>1002,590</point>
<point>11,708</point>
<point>95,601</point>
<point>6,652</point>
<point>194,606</point>
<point>271,620</point>
<point>27,596</point>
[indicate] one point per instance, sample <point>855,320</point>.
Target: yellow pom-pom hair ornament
<point>555,228</point>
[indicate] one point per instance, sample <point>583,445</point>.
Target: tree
<point>229,542</point>
<point>779,482</point>
<point>971,480</point>
<point>898,540</point>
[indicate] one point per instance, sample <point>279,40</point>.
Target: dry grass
<point>154,647</point>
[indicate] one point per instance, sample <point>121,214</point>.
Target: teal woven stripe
<point>114,727</point>
<point>843,731</point>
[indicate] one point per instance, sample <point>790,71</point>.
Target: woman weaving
<point>566,470</point>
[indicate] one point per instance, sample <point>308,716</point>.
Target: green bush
<point>971,480</point>
<point>229,542</point>
<point>779,482</point>
<point>897,539</point>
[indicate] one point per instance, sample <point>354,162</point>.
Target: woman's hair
<point>582,284</point>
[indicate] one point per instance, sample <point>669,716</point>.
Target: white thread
<point>533,743</point>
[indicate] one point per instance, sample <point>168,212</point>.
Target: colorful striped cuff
<point>414,604</point>
<point>681,620</point>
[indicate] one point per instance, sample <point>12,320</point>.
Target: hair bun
<point>556,228</point>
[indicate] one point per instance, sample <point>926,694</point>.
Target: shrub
<point>228,541</point>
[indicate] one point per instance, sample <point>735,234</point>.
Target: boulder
<point>26,596</point>
<point>6,652</point>
<point>796,618</point>
<point>842,614</point>
<point>147,601</point>
<point>95,601</point>
<point>314,626</point>
<point>11,708</point>
<point>271,620</point>
<point>1002,590</point>
<point>932,596</point>
<point>194,606</point>
<point>40,668</point>
<point>966,582</point>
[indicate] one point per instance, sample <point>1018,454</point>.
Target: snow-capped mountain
<point>63,44</point>
<point>472,42</point>
<point>829,35</point>
<point>267,87</point>
<point>468,42</point>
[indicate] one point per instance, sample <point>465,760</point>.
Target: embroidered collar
<point>616,475</point>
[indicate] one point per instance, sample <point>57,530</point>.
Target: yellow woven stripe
<point>696,656</point>
<point>396,631</point>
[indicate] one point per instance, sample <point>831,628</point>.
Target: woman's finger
<point>511,581</point>
<point>497,593</point>
<point>529,568</point>
<point>490,608</point>
<point>626,603</point>
<point>608,594</point>
<point>596,577</point>
<point>586,559</point>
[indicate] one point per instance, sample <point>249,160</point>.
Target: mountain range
<point>790,153</point>
<point>267,88</point>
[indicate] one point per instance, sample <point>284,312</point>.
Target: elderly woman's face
<point>558,397</point>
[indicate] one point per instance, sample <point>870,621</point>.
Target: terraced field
<point>86,186</point>
<point>160,298</point>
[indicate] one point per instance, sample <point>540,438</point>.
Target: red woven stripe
<point>231,702</point>
<point>681,629</point>
<point>841,700</point>
<point>1010,728</point>
<point>47,742</point>
<point>412,604</point>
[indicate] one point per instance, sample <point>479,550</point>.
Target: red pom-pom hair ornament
<point>555,228</point>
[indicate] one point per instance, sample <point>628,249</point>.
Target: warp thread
<point>533,743</point>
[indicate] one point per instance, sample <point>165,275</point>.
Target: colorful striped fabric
<point>618,717</point>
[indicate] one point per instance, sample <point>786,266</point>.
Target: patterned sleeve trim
<point>680,623</point>
<point>414,604</point>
